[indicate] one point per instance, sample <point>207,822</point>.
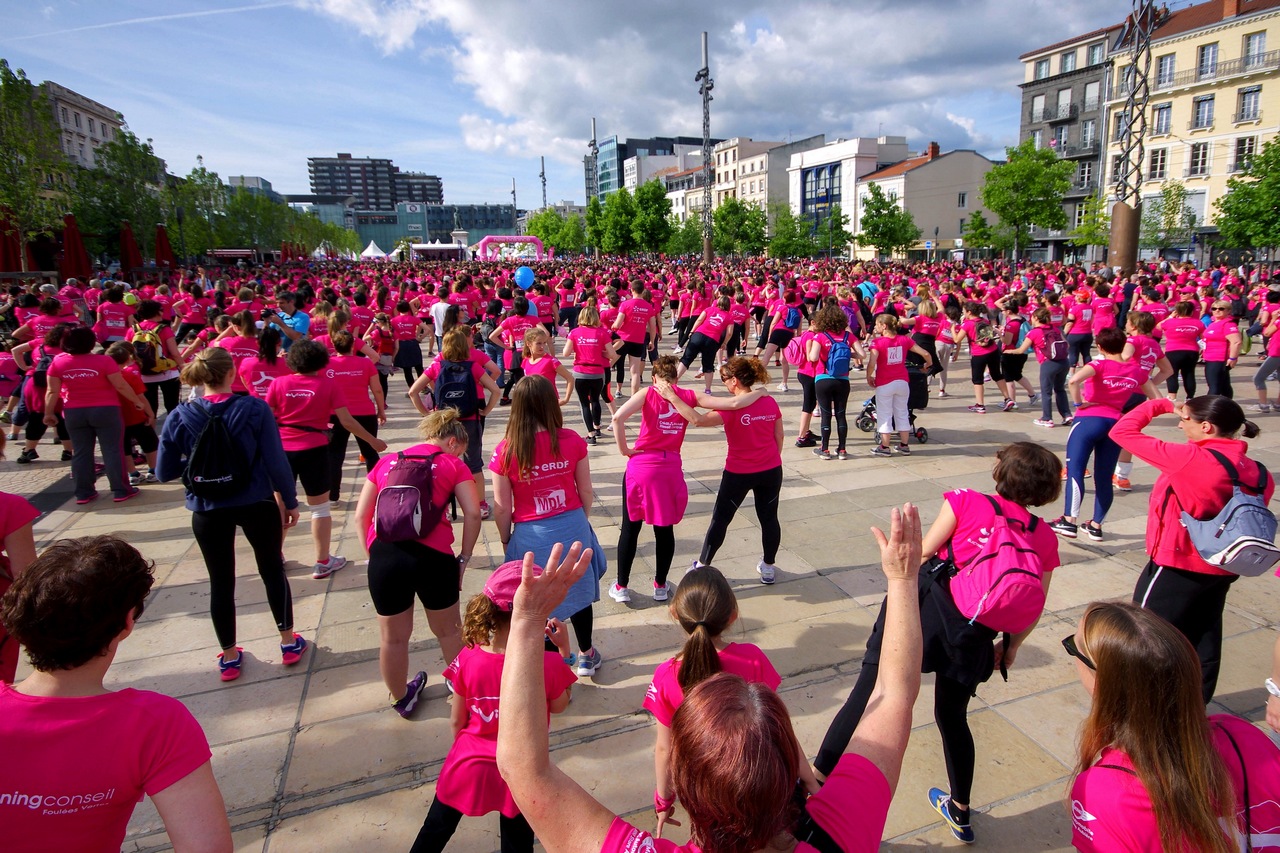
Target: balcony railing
<point>1199,124</point>
<point>1239,165</point>
<point>1247,116</point>
<point>1060,112</point>
<point>1195,172</point>
<point>1082,149</point>
<point>1269,61</point>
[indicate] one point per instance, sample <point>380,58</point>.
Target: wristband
<point>661,804</point>
<point>1272,687</point>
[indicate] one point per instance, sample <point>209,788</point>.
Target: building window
<point>77,116</point>
<point>1199,161</point>
<point>1207,61</point>
<point>1202,112</point>
<point>1037,108</point>
<point>91,130</point>
<point>1067,62</point>
<point>64,115</point>
<point>1255,46</point>
<point>1250,98</point>
<point>1165,66</point>
<point>1037,138</point>
<point>1246,147</point>
<point>962,200</point>
<point>1091,95</point>
<point>1122,125</point>
<point>1117,168</point>
<point>1084,177</point>
<point>1158,167</point>
<point>1161,119</point>
<point>1088,131</point>
<point>1060,137</point>
<point>1042,69</point>
<point>1096,53</point>
<point>1079,215</point>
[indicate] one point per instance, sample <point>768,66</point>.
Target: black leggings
<point>590,390</point>
<point>515,375</point>
<point>833,397</point>
<point>765,486</point>
<point>1193,603</point>
<point>583,622</point>
<point>1217,374</point>
<point>170,388</point>
<point>442,821</point>
<point>1183,363</point>
<point>684,327</point>
<point>629,536</point>
<point>1078,349</point>
<point>338,440</point>
<point>215,533</point>
<point>408,370</point>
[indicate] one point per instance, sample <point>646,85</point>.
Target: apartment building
<point>83,123</point>
<point>729,160</point>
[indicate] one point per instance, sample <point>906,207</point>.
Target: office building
<point>417,186</point>
<point>614,152</point>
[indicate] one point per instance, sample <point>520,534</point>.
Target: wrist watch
<point>1272,687</point>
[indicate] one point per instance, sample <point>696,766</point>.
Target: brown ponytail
<point>705,607</point>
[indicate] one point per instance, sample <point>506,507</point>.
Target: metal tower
<point>593,173</point>
<point>703,77</point>
<point>514,206</point>
<point>1130,132</point>
<point>543,175</point>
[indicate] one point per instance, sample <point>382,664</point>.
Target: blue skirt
<point>566,528</point>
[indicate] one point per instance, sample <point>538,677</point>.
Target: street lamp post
<point>936,231</point>
<point>182,236</point>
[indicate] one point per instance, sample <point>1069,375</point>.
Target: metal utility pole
<point>593,172</point>
<point>1126,214</point>
<point>703,77</point>
<point>513,194</point>
<point>543,175</point>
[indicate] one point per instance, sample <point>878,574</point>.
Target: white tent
<point>372,251</point>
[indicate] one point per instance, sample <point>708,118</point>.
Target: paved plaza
<point>314,758</point>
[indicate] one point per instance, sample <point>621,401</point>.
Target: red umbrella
<point>75,259</point>
<point>130,256</point>
<point>164,252</point>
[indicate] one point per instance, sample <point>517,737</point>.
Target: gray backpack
<point>1241,538</point>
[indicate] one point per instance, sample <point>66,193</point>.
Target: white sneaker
<point>693,568</point>
<point>322,570</point>
<point>767,572</point>
<point>620,594</point>
<point>661,593</point>
<point>782,389</point>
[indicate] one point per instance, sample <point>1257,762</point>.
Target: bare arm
<point>364,507</point>
<point>564,373</point>
<point>422,385</point>
<point>1273,702</point>
<point>353,427</point>
<point>193,813</point>
<point>582,478</point>
<point>457,714</point>
<point>20,547</point>
<point>619,420</point>
<point>1077,380</point>
<point>502,507</point>
<point>469,503</point>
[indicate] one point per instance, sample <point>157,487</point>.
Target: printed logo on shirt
<point>748,419</point>
<point>80,373</point>
<point>893,355</point>
<point>550,502</point>
<point>1080,819</point>
<point>299,394</point>
<point>58,804</point>
<point>263,380</point>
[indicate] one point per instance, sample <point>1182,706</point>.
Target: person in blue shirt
<point>291,322</point>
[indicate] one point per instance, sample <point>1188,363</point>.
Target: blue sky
<point>476,91</point>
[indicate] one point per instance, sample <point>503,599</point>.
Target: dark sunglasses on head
<point>1069,643</point>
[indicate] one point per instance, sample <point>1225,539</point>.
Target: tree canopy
<point>33,169</point>
<point>1095,225</point>
<point>792,236</point>
<point>124,186</point>
<point>1166,221</point>
<point>650,228</point>
<point>1248,216</point>
<point>886,225</point>
<point>1027,189</point>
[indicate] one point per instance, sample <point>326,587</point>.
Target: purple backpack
<point>404,510</point>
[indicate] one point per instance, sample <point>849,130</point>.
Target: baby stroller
<point>917,398</point>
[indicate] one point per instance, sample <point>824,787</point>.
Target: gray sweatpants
<point>105,425</point>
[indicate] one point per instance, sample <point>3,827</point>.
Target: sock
<point>1124,469</point>
<point>959,816</point>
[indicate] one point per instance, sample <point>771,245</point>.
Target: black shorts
<point>1134,401</point>
<point>144,434</point>
<point>474,457</point>
<point>312,467</point>
<point>399,571</point>
<point>1011,366</point>
<point>757,313</point>
<point>980,364</point>
<point>781,337</point>
<point>634,349</point>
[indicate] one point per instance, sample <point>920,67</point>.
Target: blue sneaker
<point>941,802</point>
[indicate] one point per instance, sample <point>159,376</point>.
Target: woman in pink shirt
<point>241,343</point>
<point>538,361</point>
<point>1221,348</point>
<point>1181,333</point>
<point>887,373</point>
<point>257,372</point>
<point>303,402</point>
<point>192,311</point>
<point>361,393</point>
<point>708,331</point>
<point>1269,319</point>
<point>984,354</point>
<point>734,759</point>
<point>1153,772</point>
<point>87,389</point>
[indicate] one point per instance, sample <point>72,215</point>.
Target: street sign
<point>928,244</point>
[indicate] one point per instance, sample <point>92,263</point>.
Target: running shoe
<point>1008,406</point>
<point>1260,408</point>
<point>978,409</point>
<point>150,477</point>
<point>1087,474</point>
<point>1044,422</point>
<point>135,479</point>
<point>5,418</point>
<point>768,572</point>
<point>335,504</point>
<point>1093,529</point>
<point>823,454</point>
<point>661,591</point>
<point>26,457</point>
<point>87,500</point>
<point>485,510</point>
<point>230,670</point>
<point>807,440</point>
<point>842,455</point>
<point>129,495</point>
<point>588,663</point>
<point>782,389</point>
<point>1031,401</point>
<point>941,802</point>
<point>942,395</point>
<point>591,439</point>
<point>66,456</point>
<point>322,570</point>
<point>694,567</point>
<point>292,652</point>
<point>404,706</point>
<point>1062,527</point>
<point>881,450</point>
<point>1121,483</point>
<point>904,449</point>
<point>505,401</point>
<point>620,594</point>
<point>1068,421</point>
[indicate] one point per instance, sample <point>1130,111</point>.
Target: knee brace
<point>320,511</point>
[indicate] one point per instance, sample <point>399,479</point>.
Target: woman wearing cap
<point>1221,348</point>
<point>469,781</point>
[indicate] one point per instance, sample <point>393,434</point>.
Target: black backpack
<point>40,376</point>
<point>456,388</point>
<point>216,467</point>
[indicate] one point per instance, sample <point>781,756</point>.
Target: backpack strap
<point>1235,474</point>
<point>808,832</point>
<point>1244,774</point>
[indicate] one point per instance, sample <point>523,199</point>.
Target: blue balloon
<point>524,278</point>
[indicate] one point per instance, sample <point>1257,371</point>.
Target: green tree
<point>1247,215</point>
<point>1095,226</point>
<point>728,221</point>
<point>833,233</point>
<point>650,228</point>
<point>125,186</point>
<point>202,197</point>
<point>1166,221</point>
<point>595,222</point>
<point>754,236</point>
<point>33,169</point>
<point>978,233</point>
<point>886,225</point>
<point>792,237</point>
<point>616,237</point>
<point>573,236</point>
<point>686,237</point>
<point>547,225</point>
<point>254,221</point>
<point>1027,190</point>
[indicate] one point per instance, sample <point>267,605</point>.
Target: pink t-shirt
<point>10,376</point>
<point>635,313</point>
<point>257,374</point>
<point>41,324</point>
<point>716,324</point>
<point>589,344</point>
<point>549,488</point>
<point>1038,344</point>
<point>545,367</point>
<point>1216,346</point>
<point>753,441</point>
<point>447,472</point>
<point>469,780</point>
<point>1104,314</point>
<point>404,327</point>
<point>84,380</point>
<point>351,373</point>
<point>891,358</point>
<point>665,695</point>
<point>302,406</point>
<point>974,514</point>
<point>662,427</point>
<point>970,328</point>
<point>1110,388</point>
<point>1111,809</point>
<point>75,768</point>
<point>806,367</point>
<point>855,830</point>
<point>927,326</point>
<point>241,348</point>
<point>512,332</point>
<point>1181,334</point>
<point>194,311</point>
<point>113,319</point>
<point>1146,352</point>
<point>1081,316</point>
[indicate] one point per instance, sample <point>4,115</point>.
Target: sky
<point>475,91</point>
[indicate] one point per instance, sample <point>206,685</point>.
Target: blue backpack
<point>839,357</point>
<point>1241,537</point>
<point>792,318</point>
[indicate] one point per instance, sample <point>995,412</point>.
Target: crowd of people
<point>283,366</point>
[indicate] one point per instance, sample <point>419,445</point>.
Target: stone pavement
<point>313,758</point>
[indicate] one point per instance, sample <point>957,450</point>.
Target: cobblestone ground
<point>313,758</point>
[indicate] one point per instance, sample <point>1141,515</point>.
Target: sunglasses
<point>1216,308</point>
<point>1069,643</point>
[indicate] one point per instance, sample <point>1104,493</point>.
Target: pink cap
<point>501,586</point>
